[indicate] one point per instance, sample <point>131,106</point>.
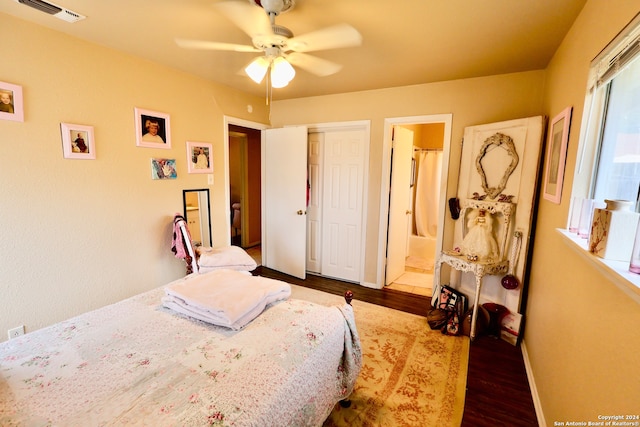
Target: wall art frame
<point>163,168</point>
<point>78,141</point>
<point>11,102</point>
<point>557,142</point>
<point>199,157</point>
<point>153,129</point>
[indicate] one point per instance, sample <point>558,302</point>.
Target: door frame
<point>385,186</point>
<point>228,120</point>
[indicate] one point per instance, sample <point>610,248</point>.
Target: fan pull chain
<point>268,89</point>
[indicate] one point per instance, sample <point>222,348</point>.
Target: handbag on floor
<point>455,305</point>
<point>436,318</point>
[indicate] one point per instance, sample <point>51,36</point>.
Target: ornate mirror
<point>496,162</point>
<point>197,213</point>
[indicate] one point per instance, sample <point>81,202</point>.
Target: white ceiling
<point>405,42</point>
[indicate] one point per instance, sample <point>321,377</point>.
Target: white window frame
<point>601,72</point>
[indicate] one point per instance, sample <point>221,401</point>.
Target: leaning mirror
<point>197,212</point>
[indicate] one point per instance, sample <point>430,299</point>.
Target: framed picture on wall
<point>152,129</point>
<point>199,157</point>
<point>163,169</point>
<point>77,141</point>
<point>557,141</point>
<point>11,107</point>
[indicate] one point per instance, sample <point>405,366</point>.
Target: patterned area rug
<point>411,376</point>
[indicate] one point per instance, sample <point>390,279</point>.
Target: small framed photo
<point>77,141</point>
<point>199,157</point>
<point>152,129</point>
<point>558,138</point>
<point>11,107</point>
<point>163,169</point>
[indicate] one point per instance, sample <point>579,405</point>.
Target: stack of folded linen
<point>224,297</point>
<point>224,257</point>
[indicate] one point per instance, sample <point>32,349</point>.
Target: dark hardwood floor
<point>498,392</point>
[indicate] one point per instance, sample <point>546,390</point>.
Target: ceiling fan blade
<point>313,64</point>
<point>337,36</point>
<point>202,44</point>
<point>251,19</point>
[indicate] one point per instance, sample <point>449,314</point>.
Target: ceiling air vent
<point>53,9</point>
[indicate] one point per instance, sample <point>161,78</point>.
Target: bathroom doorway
<point>418,162</point>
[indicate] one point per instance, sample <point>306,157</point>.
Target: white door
<point>399,203</point>
<point>314,205</point>
<point>527,136</point>
<point>284,203</point>
<point>342,200</point>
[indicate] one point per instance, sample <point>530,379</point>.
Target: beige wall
<point>471,101</point>
<point>582,333</point>
<point>80,234</point>
<point>430,135</point>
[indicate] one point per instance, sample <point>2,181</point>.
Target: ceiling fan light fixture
<point>257,69</point>
<point>281,49</point>
<point>274,6</point>
<point>281,72</point>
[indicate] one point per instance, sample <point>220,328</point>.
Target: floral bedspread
<point>138,363</point>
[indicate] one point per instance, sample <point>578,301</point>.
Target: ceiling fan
<point>280,47</point>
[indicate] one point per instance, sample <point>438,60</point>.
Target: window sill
<point>616,271</point>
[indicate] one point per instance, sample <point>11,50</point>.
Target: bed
<point>138,362</point>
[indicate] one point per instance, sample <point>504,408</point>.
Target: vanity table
<point>500,214</point>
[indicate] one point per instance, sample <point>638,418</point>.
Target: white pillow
<point>227,257</point>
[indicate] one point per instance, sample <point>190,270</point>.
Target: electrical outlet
<point>16,332</point>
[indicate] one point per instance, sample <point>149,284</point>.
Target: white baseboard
<point>532,385</point>
<point>370,285</point>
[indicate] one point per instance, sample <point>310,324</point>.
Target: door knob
<point>408,212</point>
<point>300,212</point>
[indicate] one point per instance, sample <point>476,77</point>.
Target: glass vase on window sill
<point>586,216</point>
<point>574,214</point>
<point>634,265</point>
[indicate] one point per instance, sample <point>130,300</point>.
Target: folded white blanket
<point>224,297</point>
<point>231,257</point>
